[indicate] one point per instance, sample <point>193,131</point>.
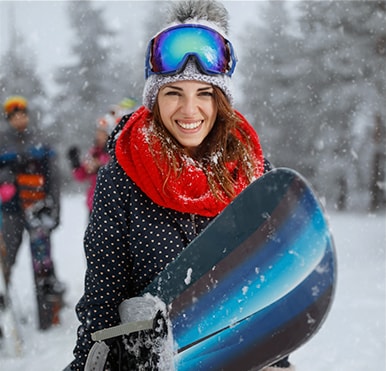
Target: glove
<point>7,191</point>
<point>42,214</point>
<point>73,156</point>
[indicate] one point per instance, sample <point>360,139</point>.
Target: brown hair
<point>220,146</point>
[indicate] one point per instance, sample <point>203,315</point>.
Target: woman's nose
<point>189,106</point>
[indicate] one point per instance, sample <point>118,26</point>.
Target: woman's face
<point>188,111</point>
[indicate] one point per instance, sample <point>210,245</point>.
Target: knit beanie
<point>208,13</point>
<point>14,104</point>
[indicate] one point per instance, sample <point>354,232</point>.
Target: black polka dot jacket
<point>128,241</point>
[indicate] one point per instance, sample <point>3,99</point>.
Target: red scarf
<point>187,192</point>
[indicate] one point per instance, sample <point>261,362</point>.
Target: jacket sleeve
<point>80,174</point>
<point>8,160</point>
<point>107,276</point>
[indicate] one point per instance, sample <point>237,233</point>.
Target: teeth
<point>189,125</point>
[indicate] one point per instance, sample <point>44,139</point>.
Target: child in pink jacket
<point>97,156</point>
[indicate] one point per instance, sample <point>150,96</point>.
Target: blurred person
<point>176,163</point>
<point>29,176</point>
<point>97,156</point>
<point>124,107</point>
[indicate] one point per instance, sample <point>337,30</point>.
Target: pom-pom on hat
<point>208,13</point>
<point>14,104</point>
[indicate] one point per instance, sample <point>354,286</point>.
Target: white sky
<point>45,26</point>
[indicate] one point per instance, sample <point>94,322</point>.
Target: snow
<point>188,278</point>
<point>352,338</point>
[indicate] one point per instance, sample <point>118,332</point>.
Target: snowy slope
<point>352,338</point>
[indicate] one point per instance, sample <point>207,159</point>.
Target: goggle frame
<point>172,38</point>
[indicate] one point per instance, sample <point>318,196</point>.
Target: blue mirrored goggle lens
<point>169,51</point>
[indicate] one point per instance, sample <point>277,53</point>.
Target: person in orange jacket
<point>30,192</point>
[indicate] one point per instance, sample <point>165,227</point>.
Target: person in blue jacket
<point>176,163</point>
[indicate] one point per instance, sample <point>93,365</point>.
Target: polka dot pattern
<point>128,241</point>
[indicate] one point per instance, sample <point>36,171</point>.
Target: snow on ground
<point>352,338</point>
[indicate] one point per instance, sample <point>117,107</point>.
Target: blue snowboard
<point>256,284</point>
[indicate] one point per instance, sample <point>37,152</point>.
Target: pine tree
<point>130,61</point>
<point>271,68</point>
<point>87,85</point>
<point>317,97</point>
<point>348,81</point>
<point>18,75</point>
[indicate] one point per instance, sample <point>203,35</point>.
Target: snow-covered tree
<point>317,96</point>
<point>130,61</point>
<point>272,68</point>
<point>18,75</point>
<point>341,41</point>
<point>88,85</point>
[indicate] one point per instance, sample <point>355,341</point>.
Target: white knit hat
<point>209,13</point>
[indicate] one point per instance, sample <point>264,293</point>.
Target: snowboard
<point>49,303</point>
<point>10,338</point>
<point>49,300</point>
<point>255,285</point>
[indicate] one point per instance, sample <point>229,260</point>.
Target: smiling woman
<point>178,161</point>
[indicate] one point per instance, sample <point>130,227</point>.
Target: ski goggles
<point>169,51</point>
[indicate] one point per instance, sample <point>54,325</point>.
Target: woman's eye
<point>172,92</point>
<point>206,94</point>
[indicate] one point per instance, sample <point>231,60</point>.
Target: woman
<point>177,163</point>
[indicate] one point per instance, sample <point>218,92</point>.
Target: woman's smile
<point>189,125</point>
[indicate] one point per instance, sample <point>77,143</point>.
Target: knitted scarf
<point>188,191</point>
